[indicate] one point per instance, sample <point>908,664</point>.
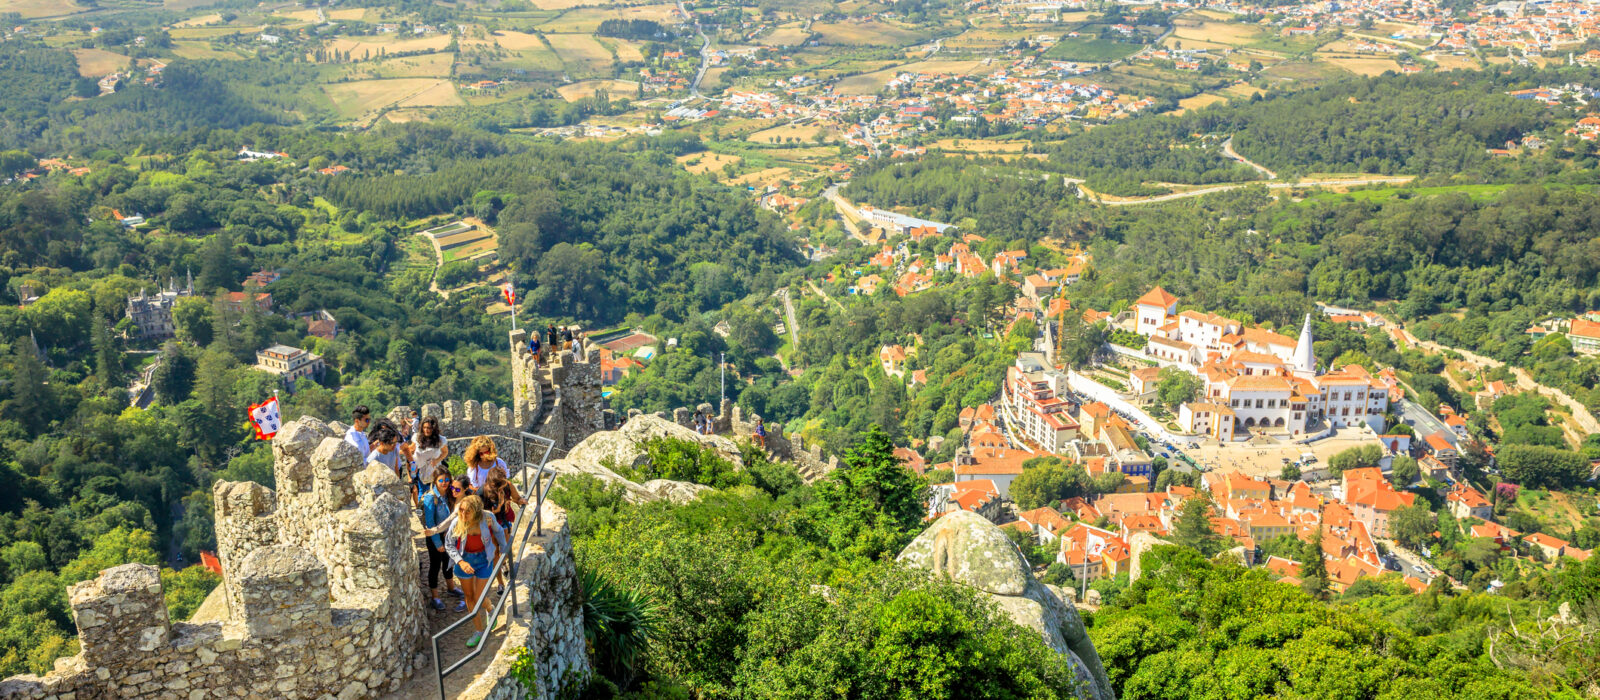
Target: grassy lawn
<point>1092,50</point>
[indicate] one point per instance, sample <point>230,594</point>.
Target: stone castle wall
<point>320,581</point>
<point>730,420</point>
<point>558,399</point>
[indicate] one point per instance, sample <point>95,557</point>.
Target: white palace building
<point>1255,380</point>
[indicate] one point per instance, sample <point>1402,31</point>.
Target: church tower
<point>1305,358</point>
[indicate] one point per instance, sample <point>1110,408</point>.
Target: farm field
<point>559,4</point>
<point>1204,99</point>
<point>1303,72</point>
<point>209,32</point>
<point>627,50</point>
<point>871,33</point>
<point>1451,62</point>
<point>701,163</point>
<point>1096,50</point>
<point>614,88</point>
<point>359,47</point>
<point>200,21</point>
<point>786,36</point>
<point>1216,33</point>
<point>1362,65</point>
<point>804,133</point>
<point>360,98</point>
<point>980,146</point>
<point>768,176</point>
<point>432,65</point>
<point>580,53</point>
<point>587,19</point>
<point>93,63</point>
<point>200,50</point>
<point>30,9</point>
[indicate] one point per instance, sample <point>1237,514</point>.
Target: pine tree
<point>107,357</point>
<point>216,258</point>
<point>1313,570</point>
<point>30,402</point>
<point>1193,528</point>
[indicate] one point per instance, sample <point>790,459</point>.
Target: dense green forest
<point>591,233</point>
<point>1429,124</point>
<point>777,589</point>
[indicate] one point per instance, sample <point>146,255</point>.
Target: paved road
<point>788,311</point>
<point>1410,561</point>
<point>847,211</point>
<point>705,52</point>
<point>1227,150</point>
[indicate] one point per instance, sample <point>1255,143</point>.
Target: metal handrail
<point>515,547</point>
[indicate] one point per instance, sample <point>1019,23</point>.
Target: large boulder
<point>968,549</point>
<point>625,448</point>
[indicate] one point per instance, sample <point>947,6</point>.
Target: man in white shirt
<point>357,434</point>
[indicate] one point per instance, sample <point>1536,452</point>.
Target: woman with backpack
<point>501,497</point>
<point>475,541</point>
<point>437,505</point>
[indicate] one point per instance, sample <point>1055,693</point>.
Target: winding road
<point>705,51</point>
<point>1394,180</point>
<point>1227,150</point>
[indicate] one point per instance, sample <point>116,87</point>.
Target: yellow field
<point>428,65</point>
<point>1228,33</point>
<point>365,96</point>
<point>201,50</point>
<point>359,47</point>
<point>586,20</point>
<point>1178,42</point>
<point>94,63</point>
<point>200,21</point>
<point>785,36</point>
<point>209,32</point>
<point>588,88</point>
<point>348,14</point>
<point>866,83</point>
<point>803,133</point>
<point>580,51</point>
<point>39,8</point>
<point>871,33</point>
<point>980,146</point>
<point>517,41</point>
<point>770,176</point>
<point>1450,62</point>
<point>1244,90</point>
<point>1204,99</point>
<point>1364,66</point>
<point>627,50</point>
<point>698,163</point>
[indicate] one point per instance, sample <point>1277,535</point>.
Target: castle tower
<point>1305,358</point>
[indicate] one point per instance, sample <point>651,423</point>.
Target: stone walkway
<point>424,685</point>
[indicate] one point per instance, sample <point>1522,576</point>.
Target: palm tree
<point>618,626</point>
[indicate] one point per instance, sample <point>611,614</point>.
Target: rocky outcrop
<point>970,550</point>
<point>1138,544</point>
<point>625,447</point>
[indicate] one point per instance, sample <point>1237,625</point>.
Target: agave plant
<point>618,626</point>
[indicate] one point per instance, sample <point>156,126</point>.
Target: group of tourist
<point>705,424</point>
<point>552,340</point>
<point>467,519</point>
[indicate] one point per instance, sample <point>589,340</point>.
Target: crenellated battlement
<point>729,420</point>
<point>320,581</point>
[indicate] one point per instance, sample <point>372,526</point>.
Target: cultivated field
<point>209,32</point>
<point>1225,33</point>
<point>1204,99</point>
<point>441,94</point>
<point>1096,50</point>
<point>93,63</point>
<point>200,21</point>
<point>1451,62</point>
<point>39,8</point>
<point>803,133</point>
<point>517,41</point>
<point>980,146</point>
<point>769,176</point>
<point>561,4</point>
<point>580,53</point>
<point>627,50</point>
<point>698,163</point>
<point>785,36</point>
<point>1365,66</point>
<point>360,47</point>
<point>201,50</point>
<point>431,65</point>
<point>586,20</point>
<point>360,98</point>
<point>870,33</point>
<point>588,88</point>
